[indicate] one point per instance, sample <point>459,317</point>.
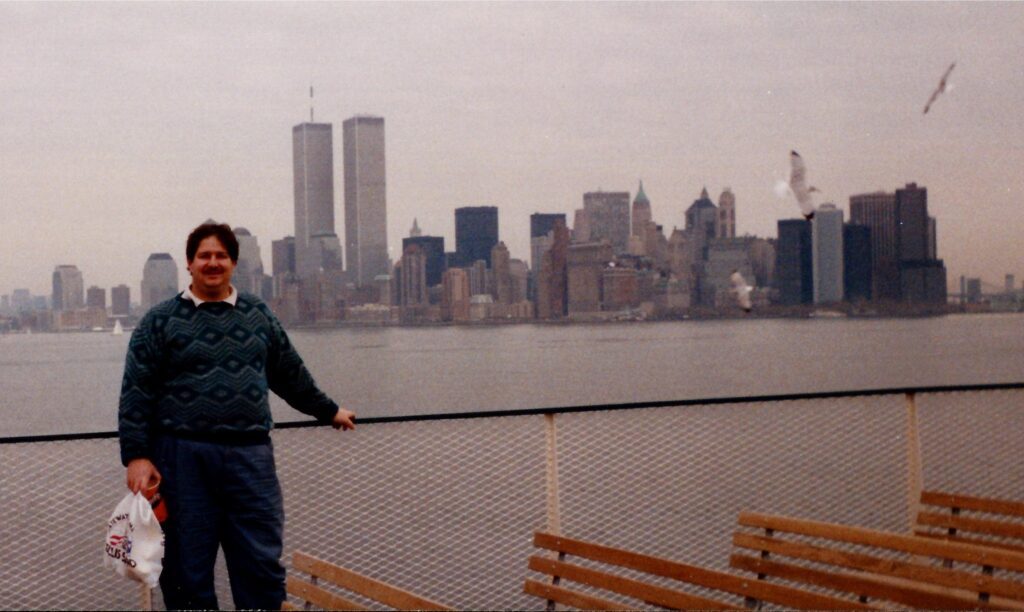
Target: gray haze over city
<point>122,126</point>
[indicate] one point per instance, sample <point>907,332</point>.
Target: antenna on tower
<point>311,103</point>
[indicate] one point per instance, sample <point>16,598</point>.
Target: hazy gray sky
<point>124,125</point>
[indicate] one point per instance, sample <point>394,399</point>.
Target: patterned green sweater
<point>204,373</point>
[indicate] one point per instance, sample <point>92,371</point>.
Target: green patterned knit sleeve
<point>140,389</point>
<point>288,377</point>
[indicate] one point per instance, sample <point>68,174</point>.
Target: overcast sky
<point>124,125</point>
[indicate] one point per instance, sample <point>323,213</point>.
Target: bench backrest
<point>878,566</point>
<point>640,590</point>
<point>976,520</point>
<point>353,582</point>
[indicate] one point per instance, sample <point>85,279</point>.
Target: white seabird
<point>798,184</point>
<point>742,290</point>
<point>940,89</point>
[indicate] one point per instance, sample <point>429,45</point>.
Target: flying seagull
<point>940,89</point>
<point>741,289</point>
<point>798,183</point>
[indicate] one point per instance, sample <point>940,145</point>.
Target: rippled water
<point>59,383</point>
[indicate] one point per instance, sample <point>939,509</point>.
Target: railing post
<point>915,480</point>
<point>554,518</point>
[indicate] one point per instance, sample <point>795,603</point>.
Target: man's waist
<point>224,436</point>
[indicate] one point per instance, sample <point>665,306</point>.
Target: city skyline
<point>113,151</point>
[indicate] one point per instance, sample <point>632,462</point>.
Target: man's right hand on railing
<point>141,474</point>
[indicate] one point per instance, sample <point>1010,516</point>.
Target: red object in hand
<point>157,502</point>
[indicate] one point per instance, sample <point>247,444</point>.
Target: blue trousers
<point>221,495</point>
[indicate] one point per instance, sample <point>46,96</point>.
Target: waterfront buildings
<point>877,211</point>
<point>366,247</point>
<point>827,254</point>
<point>433,250</point>
<point>856,263</point>
<point>120,301</point>
<point>68,288</point>
<point>159,280</point>
<point>248,275</point>
<point>96,297</point>
<point>641,212</point>
<point>552,278</point>
<point>542,226</point>
<point>604,216</point>
<point>585,265</point>
<point>794,274</point>
<point>727,214</point>
<point>476,233</point>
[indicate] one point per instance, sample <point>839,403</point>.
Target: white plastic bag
<point>135,542</point>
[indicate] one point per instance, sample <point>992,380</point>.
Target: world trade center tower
<point>316,244</point>
<point>366,243</point>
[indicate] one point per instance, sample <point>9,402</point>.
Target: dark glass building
<point>856,263</point>
<point>476,233</point>
<point>541,224</point>
<point>433,250</point>
<point>794,274</point>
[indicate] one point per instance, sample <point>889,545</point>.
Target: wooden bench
<point>877,567</point>
<point>974,520</point>
<point>644,588</point>
<point>375,590</point>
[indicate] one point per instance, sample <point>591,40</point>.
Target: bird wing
<point>798,183</point>
<point>940,89</point>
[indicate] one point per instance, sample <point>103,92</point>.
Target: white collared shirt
<point>187,294</point>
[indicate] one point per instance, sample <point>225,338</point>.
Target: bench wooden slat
<point>979,555</point>
<point>649,593</point>
<point>729,583</point>
<point>364,585</point>
<point>857,585</point>
<point>924,533</point>
<point>975,525</point>
<point>568,597</point>
<point>887,567</point>
<point>318,596</point>
<point>969,502</point>
<point>287,605</point>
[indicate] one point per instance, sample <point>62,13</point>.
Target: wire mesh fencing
<point>446,508</point>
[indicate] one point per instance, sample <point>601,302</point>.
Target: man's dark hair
<point>223,233</point>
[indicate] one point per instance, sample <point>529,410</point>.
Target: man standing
<point>194,417</point>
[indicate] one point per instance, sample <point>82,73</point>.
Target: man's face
<point>211,268</point>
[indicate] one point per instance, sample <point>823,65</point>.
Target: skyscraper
<point>541,227</point>
<point>120,300</point>
<point>316,243</point>
<point>607,214</point>
<point>641,215</point>
<point>827,254</point>
<point>502,274</point>
<point>727,214</point>
<point>476,233</point>
<point>856,263</point>
<point>877,211</point>
<point>912,223</point>
<point>366,240</point>
<point>794,275</point>
<point>248,274</point>
<point>68,288</point>
<point>702,223</point>
<point>159,279</point>
<point>96,297</point>
<point>433,250</point>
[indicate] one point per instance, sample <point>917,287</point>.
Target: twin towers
<point>317,248</point>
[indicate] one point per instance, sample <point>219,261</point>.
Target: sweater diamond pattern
<point>207,371</point>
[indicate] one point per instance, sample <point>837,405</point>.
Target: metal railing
<point>446,505</point>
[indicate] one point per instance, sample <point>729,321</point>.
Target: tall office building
<point>96,297</point>
<point>159,279</point>
<point>641,213</point>
<point>552,277</point>
<point>366,232</point>
<point>827,254</point>
<point>542,226</point>
<point>727,214</point>
<point>476,233</point>
<point>68,288</point>
<point>794,274</point>
<point>502,274</point>
<point>856,263</point>
<point>877,211</point>
<point>585,265</point>
<point>701,224</point>
<point>248,276</point>
<point>413,274</point>
<point>433,250</point>
<point>607,218</point>
<point>120,301</point>
<point>912,223</point>
<point>316,244</point>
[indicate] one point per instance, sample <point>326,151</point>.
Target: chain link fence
<point>447,507</point>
